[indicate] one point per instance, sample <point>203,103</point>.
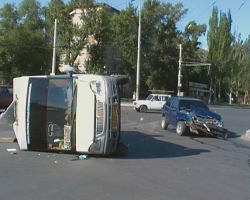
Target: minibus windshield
<point>50,101</point>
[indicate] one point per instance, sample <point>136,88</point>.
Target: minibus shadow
<point>143,146</point>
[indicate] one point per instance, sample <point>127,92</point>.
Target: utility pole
<point>138,57</point>
<point>179,72</point>
<point>54,50</point>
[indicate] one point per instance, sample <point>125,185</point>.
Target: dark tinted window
<point>175,103</point>
<point>156,98</point>
<point>4,90</point>
<point>169,101</point>
<point>165,98</point>
<point>149,97</point>
<point>184,104</point>
<point>5,97</point>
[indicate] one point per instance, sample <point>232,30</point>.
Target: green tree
<point>23,51</point>
<point>101,31</point>
<point>219,44</point>
<point>232,81</point>
<point>192,54</point>
<point>8,21</point>
<point>244,65</point>
<point>124,26</point>
<point>56,14</point>
<point>160,39</point>
<point>33,58</point>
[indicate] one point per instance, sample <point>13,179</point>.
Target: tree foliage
<point>243,64</point>
<point>100,30</point>
<point>219,43</point>
<point>160,40</point>
<point>22,41</point>
<point>193,54</point>
<point>124,31</point>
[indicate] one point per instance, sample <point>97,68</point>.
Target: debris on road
<point>83,157</point>
<point>12,151</point>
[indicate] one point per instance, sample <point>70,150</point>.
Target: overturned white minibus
<point>78,113</point>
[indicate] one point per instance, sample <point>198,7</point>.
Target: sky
<point>198,11</point>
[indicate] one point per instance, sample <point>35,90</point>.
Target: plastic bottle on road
<point>82,157</point>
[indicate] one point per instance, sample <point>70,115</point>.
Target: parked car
<point>192,115</point>
<point>6,96</point>
<point>152,102</point>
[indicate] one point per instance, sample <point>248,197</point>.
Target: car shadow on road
<point>231,134</point>
<point>143,146</point>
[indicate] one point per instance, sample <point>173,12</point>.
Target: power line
<point>206,9</point>
<point>126,2</point>
<point>196,6</point>
<point>239,7</point>
<point>119,5</point>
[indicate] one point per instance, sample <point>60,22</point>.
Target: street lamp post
<point>54,50</point>
<point>138,56</point>
<point>179,72</point>
<point>179,69</point>
<point>53,68</point>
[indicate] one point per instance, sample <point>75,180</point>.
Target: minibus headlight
<point>95,147</point>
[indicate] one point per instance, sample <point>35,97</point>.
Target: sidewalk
<point>247,135</point>
<point>6,134</point>
<point>229,106</point>
<point>130,104</point>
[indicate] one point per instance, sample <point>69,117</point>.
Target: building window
<point>114,68</point>
<point>115,53</point>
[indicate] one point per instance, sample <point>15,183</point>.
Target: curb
<point>246,136</point>
<point>7,140</point>
<point>130,104</point>
<point>248,133</point>
<point>225,106</point>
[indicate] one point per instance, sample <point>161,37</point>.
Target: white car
<point>152,102</point>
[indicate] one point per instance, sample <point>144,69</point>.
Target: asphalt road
<point>160,165</point>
